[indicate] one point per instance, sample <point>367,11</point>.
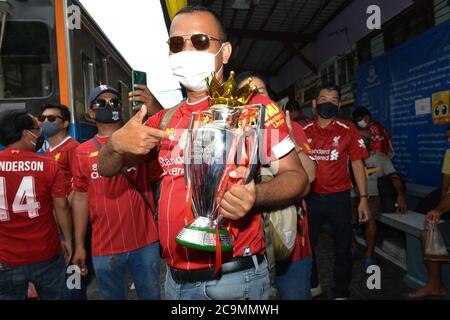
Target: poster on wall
<point>410,97</point>
<point>440,112</point>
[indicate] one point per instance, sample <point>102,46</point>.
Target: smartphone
<point>138,77</point>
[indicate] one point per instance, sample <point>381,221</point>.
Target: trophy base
<point>198,235</point>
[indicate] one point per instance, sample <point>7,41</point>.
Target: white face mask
<point>191,68</point>
<point>362,124</point>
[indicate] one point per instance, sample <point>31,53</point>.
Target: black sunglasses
<point>50,118</point>
<point>200,41</point>
<point>101,103</point>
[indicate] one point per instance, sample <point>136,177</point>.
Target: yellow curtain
<point>173,6</point>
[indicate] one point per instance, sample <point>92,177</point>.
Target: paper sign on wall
<point>440,107</point>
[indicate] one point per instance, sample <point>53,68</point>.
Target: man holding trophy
<point>210,226</point>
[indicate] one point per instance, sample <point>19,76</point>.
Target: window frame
<point>54,70</point>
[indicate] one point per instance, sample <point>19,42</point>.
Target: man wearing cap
<point>335,143</point>
<point>120,209</point>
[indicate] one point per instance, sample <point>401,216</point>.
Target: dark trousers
<point>47,276</point>
<point>335,209</point>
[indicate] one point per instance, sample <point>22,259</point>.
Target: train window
<point>25,62</point>
<point>101,68</point>
<point>126,108</point>
<point>88,78</point>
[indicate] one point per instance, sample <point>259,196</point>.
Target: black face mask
<point>108,115</point>
<point>327,110</point>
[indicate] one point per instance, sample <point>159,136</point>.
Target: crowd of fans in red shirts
<point>91,204</point>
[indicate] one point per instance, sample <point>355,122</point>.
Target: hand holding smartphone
<point>138,78</point>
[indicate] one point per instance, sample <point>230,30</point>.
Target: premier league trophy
<point>219,140</point>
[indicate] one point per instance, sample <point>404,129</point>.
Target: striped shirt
<point>28,183</point>
<point>120,220</point>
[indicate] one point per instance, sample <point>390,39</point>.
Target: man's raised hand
<point>145,96</point>
<point>135,137</point>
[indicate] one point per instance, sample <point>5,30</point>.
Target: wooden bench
<point>411,224</point>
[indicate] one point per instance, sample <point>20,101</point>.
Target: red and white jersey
<point>121,222</point>
<point>302,140</point>
<point>63,154</point>
<point>171,217</point>
<point>333,147</point>
<point>28,230</point>
<point>381,140</point>
<point>302,246</point>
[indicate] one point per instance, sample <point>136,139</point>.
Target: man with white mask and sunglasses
<point>198,47</point>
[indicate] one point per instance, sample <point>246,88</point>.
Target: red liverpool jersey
<point>302,247</point>
<point>121,221</point>
<point>28,230</point>
<point>381,140</point>
<point>333,147</point>
<point>63,154</point>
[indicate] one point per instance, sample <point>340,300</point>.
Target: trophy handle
<point>187,149</point>
<point>259,132</point>
<point>255,152</point>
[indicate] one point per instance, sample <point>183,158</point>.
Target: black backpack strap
<point>138,189</point>
<point>96,143</point>
<point>163,124</point>
<point>131,182</point>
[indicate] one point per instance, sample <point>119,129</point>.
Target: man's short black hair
<point>361,112</point>
<point>65,113</point>
<point>329,87</point>
<point>12,124</point>
<point>193,9</point>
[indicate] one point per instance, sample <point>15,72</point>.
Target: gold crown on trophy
<point>227,93</point>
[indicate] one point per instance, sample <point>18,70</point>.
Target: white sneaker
<point>341,298</point>
<point>317,291</point>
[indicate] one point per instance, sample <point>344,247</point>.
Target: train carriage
<point>52,51</point>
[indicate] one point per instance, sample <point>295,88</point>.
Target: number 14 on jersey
<point>24,201</point>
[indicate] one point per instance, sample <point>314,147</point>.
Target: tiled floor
<point>392,285</point>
